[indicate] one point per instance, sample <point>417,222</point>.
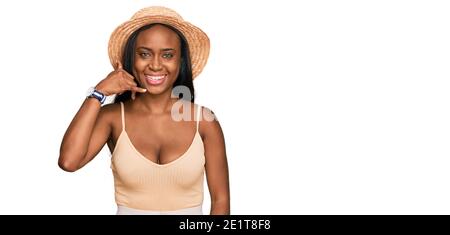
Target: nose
<point>155,64</point>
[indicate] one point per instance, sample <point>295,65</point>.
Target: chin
<point>156,90</point>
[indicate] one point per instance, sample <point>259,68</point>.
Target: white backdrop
<point>328,107</point>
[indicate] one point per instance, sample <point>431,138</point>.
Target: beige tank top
<point>143,184</point>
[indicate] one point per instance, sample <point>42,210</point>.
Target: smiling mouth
<point>155,79</point>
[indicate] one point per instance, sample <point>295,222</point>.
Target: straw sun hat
<point>197,40</point>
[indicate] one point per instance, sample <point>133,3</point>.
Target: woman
<point>161,144</point>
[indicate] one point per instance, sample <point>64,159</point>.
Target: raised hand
<point>119,81</point>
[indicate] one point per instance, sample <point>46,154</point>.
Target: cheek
<point>174,67</point>
<point>138,68</point>
<point>139,65</point>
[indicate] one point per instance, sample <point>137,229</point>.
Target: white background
<point>328,107</point>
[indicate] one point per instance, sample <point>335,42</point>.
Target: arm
<point>91,126</point>
<point>85,136</point>
<point>216,164</point>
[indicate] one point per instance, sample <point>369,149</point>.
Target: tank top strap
<point>122,111</point>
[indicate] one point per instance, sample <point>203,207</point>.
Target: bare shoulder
<point>110,112</point>
<point>209,123</point>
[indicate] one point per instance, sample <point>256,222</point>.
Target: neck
<point>155,104</point>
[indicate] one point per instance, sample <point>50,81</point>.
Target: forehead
<point>158,36</point>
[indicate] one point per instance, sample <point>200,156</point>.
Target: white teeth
<point>155,78</point>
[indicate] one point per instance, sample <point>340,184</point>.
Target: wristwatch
<point>92,93</point>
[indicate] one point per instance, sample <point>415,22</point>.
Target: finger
<point>131,83</point>
<point>119,66</point>
<point>127,75</point>
<point>138,89</point>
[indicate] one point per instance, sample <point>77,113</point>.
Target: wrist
<point>101,90</point>
<point>96,94</point>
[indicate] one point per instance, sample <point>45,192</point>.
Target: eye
<point>167,55</point>
<point>144,54</point>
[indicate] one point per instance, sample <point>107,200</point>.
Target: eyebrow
<point>164,49</point>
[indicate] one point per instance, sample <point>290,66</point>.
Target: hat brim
<point>197,40</point>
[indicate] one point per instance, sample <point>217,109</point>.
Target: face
<point>157,59</point>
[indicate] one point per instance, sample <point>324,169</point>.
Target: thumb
<point>119,66</point>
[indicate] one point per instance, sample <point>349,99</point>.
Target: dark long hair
<point>184,76</point>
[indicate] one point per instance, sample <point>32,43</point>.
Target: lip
<point>155,79</point>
